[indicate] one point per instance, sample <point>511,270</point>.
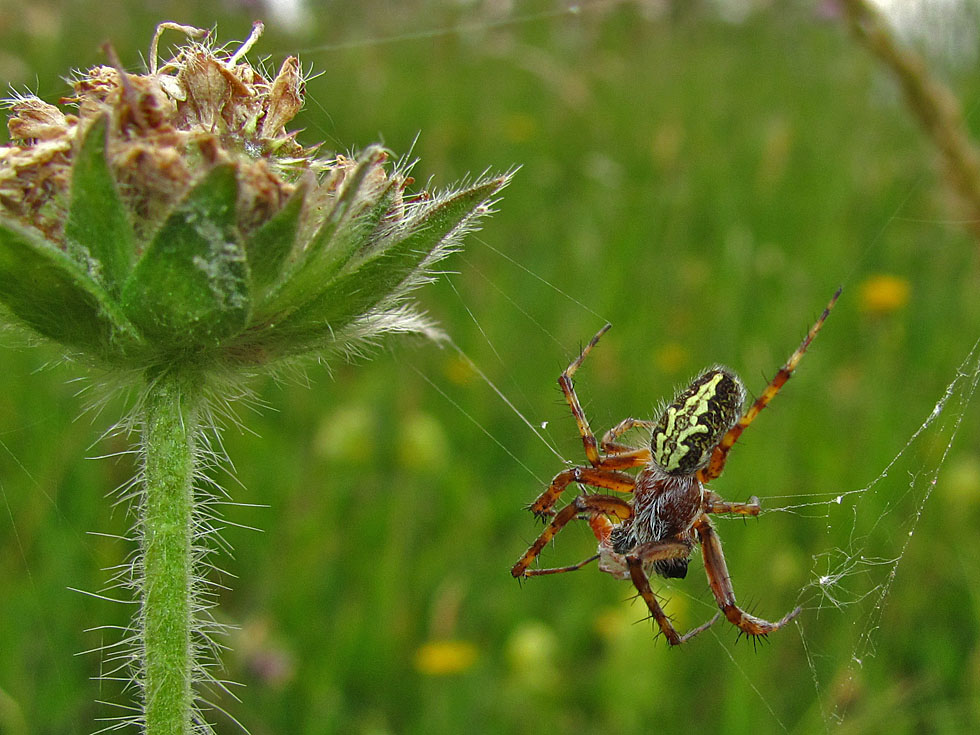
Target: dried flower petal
<point>285,99</point>
<point>33,119</point>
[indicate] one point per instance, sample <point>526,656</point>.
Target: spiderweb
<point>868,532</point>
<point>861,573</point>
<point>849,582</point>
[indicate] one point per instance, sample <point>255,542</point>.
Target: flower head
<point>171,217</point>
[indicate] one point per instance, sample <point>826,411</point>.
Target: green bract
<point>326,269</point>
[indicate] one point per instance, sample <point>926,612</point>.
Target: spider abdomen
<point>695,421</point>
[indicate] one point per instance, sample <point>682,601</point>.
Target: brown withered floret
<point>34,175</point>
<point>33,119</point>
<point>262,196</point>
<point>151,180</point>
<point>166,129</point>
<point>211,88</point>
<point>285,99</point>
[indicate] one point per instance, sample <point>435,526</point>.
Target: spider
<point>669,513</point>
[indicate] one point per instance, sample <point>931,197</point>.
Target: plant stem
<point>935,106</point>
<point>170,448</point>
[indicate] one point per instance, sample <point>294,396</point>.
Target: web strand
<point>843,578</point>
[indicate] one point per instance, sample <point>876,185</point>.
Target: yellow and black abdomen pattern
<point>696,420</point>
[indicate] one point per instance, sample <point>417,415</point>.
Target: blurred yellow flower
<point>883,294</point>
<point>347,434</point>
<point>520,127</point>
<point>962,481</point>
<point>422,442</point>
<point>667,143</point>
<point>532,644</point>
<point>671,358</point>
<point>446,657</point>
<point>611,623</point>
<point>459,371</point>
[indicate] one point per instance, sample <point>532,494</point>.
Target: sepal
<point>190,290</point>
<point>51,293</point>
<point>98,232</point>
<point>344,221</point>
<point>383,276</point>
<point>270,246</point>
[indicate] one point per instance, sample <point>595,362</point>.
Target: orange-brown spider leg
<point>721,585</point>
<point>713,503</point>
<point>720,454</point>
<point>592,504</point>
<point>609,444</point>
<point>568,389</point>
<point>656,551</point>
<point>601,527</point>
<point>606,479</point>
<point>623,457</point>
<point>560,570</point>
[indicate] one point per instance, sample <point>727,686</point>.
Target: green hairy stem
<point>170,453</point>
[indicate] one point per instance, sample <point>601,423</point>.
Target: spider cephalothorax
<point>656,532</point>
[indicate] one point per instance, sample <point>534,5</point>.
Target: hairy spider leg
<point>721,584</point>
<point>659,551</point>
<point>595,505</point>
<point>720,454</point>
<point>606,479</point>
<point>621,458</point>
<point>714,503</point>
<point>609,445</point>
<point>560,570</point>
<point>568,389</point>
<point>601,527</point>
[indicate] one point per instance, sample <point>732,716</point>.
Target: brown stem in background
<point>935,106</point>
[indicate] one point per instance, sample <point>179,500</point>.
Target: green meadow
<point>704,184</point>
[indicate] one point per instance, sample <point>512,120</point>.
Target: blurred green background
<point>701,178</point>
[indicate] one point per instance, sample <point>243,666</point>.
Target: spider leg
<point>608,443</point>
<point>592,504</point>
<point>568,389</point>
<point>621,457</point>
<point>713,503</point>
<point>658,551</point>
<point>601,525</point>
<point>720,454</point>
<point>559,570</point>
<point>596,477</point>
<point>721,585</point>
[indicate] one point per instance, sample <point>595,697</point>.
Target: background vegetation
<point>703,183</point>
